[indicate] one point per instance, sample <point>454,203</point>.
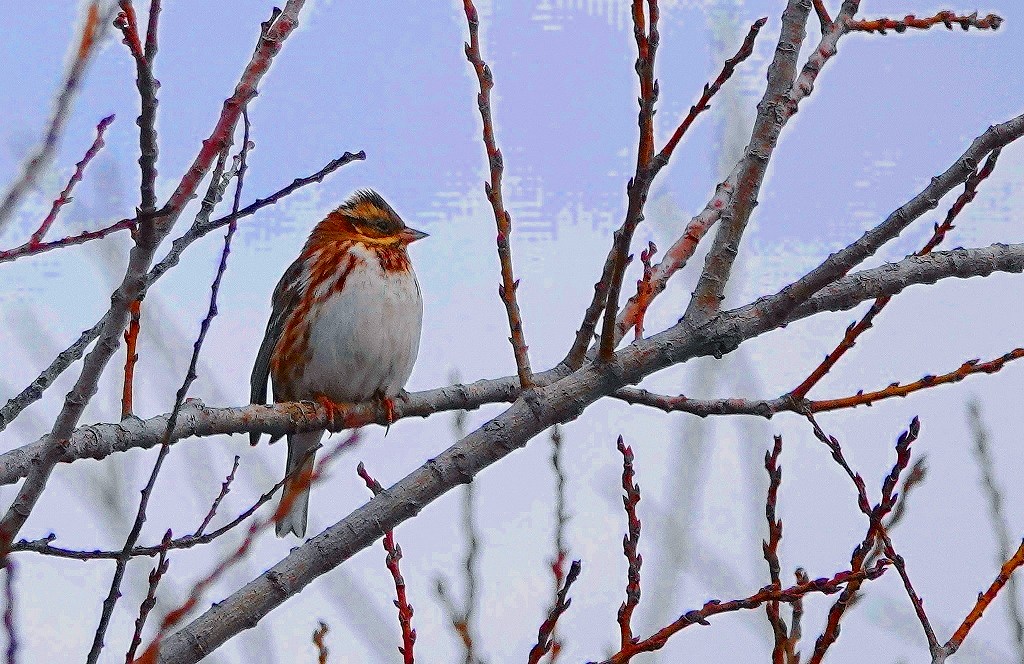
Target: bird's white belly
<point>365,336</point>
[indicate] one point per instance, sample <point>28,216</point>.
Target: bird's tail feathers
<point>301,453</point>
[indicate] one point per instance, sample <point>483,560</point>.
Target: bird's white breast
<point>365,334</point>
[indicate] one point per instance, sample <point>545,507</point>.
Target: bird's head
<point>366,217</point>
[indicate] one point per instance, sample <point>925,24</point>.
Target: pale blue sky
<point>391,78</point>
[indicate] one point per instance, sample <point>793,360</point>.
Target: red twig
<point>968,368</point>
<point>509,284</point>
<point>321,646</point>
<point>644,289</point>
<point>770,549</point>
<point>823,18</point>
<point>173,618</point>
<point>876,530</point>
<point>392,561</point>
<point>629,546</point>
<point>9,626</point>
<point>128,25</point>
<point>946,18</point>
<point>647,39</point>
<point>224,489</point>
<point>76,177</point>
<point>787,403</point>
<point>131,341</point>
<point>984,599</point>
<point>71,240</point>
<point>147,604</point>
<point>677,256</point>
<point>710,90</point>
<point>938,235</point>
<point>545,640</point>
<point>714,607</point>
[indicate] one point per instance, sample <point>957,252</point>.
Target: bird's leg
<point>389,409</point>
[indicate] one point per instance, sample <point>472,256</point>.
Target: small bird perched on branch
<point>344,327</point>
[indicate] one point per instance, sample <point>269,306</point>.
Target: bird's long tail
<point>301,452</point>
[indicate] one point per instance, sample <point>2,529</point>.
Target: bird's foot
<point>389,410</point>
<point>332,409</point>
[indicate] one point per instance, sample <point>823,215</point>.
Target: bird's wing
<point>285,297</point>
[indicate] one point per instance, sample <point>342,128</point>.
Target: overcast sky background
<point>391,78</point>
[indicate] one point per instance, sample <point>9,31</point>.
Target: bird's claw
<point>389,411</point>
<point>331,408</point>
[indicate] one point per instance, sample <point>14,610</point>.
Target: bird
<point>344,327</point>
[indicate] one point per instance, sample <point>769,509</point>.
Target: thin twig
<point>394,556</point>
<point>224,489</point>
<point>823,18</point>
<point>770,548</point>
<point>644,289</point>
<point>147,86</point>
<point>509,284</point>
<point>93,27</point>
<point>629,546</point>
<point>647,38</point>
<point>984,599</point>
<point>65,194</point>
<point>715,607</point>
<point>946,18</point>
<point>561,519</point>
<point>545,639</point>
<point>876,531</point>
<point>131,345</point>
<point>147,605</point>
<point>795,628</point>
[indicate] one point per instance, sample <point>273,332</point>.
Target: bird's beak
<point>410,235</point>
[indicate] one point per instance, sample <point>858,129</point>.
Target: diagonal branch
<point>773,112</point>
<point>854,331</point>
